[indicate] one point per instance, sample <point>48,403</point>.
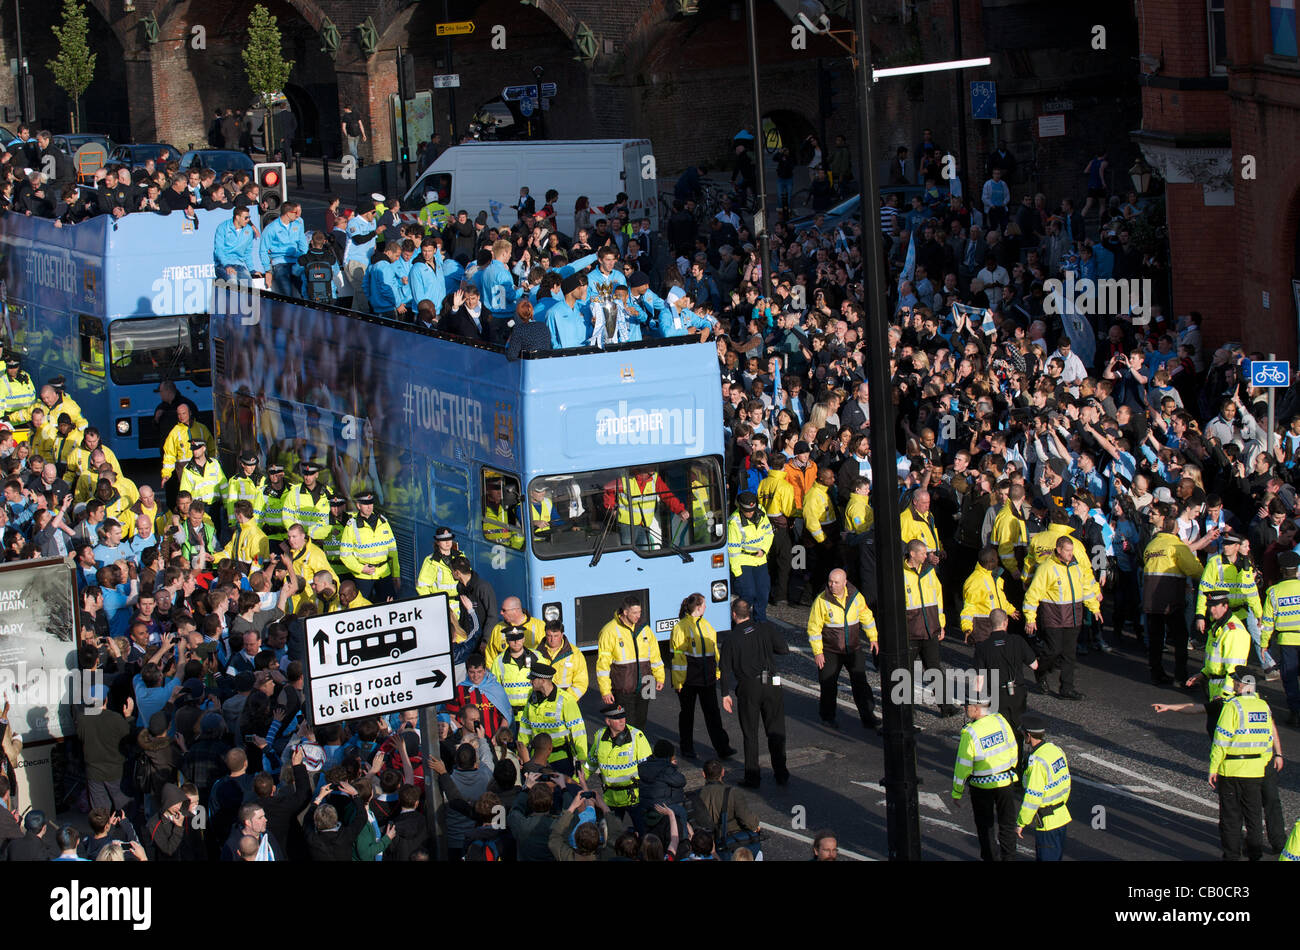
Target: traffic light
<point>269,177</point>
<point>406,74</point>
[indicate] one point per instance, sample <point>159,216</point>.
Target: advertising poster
<point>38,648</point>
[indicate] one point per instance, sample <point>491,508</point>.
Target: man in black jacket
<point>252,823</point>
<point>748,670</point>
<point>469,319</point>
<point>36,842</point>
<point>281,806</point>
<point>327,838</point>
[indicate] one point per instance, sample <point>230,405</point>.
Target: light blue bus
<point>608,464</point>
<point>115,307</point>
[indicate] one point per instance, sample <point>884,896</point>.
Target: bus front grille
<point>592,612</point>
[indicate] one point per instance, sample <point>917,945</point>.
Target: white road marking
<point>843,852</point>
<point>1120,791</point>
<point>1021,848</point>
<point>1105,763</point>
<point>932,799</point>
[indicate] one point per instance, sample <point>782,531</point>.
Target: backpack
<point>725,843</point>
<point>146,775</point>
<point>320,281</point>
<point>483,849</point>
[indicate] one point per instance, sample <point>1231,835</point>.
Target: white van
<point>473,175</point>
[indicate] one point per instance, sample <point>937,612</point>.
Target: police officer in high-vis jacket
<point>1047,790</point>
<point>369,552</point>
<point>1281,623</point>
<point>749,538</point>
<point>986,760</point>
<point>1244,740</point>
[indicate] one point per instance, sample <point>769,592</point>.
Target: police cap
<point>542,671</point>
<point>13,361</point>
<point>248,458</point>
<point>1216,599</point>
<point>1034,725</point>
<point>1288,560</point>
<point>366,498</point>
<point>514,633</point>
<point>747,501</point>
<point>616,711</point>
<point>1231,537</point>
<point>336,500</point>
<point>275,468</point>
<point>444,534</point>
<point>309,468</point>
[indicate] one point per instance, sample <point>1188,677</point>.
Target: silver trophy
<point>607,306</point>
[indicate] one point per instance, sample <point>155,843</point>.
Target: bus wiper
<point>600,542</point>
<point>680,552</point>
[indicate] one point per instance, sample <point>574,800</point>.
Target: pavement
<point>1139,780</point>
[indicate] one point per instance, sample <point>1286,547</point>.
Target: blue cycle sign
<point>1267,374</point>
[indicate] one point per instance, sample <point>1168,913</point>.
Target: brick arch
<point>309,10</point>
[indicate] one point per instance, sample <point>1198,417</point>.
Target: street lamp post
<point>903,820</point>
<point>760,204</point>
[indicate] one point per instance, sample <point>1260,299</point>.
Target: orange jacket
<point>800,480</point>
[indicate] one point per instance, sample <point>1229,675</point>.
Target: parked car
<point>134,156</point>
<point>218,159</point>
<point>73,141</point>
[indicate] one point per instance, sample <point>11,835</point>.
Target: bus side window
<point>91,344</point>
<point>501,521</point>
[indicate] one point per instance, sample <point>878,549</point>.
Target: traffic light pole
<point>402,93</point>
<point>903,821</point>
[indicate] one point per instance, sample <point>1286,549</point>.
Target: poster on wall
<point>38,648</point>
<point>419,122</point>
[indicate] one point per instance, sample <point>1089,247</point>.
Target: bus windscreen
<point>652,510</point>
<point>150,349</point>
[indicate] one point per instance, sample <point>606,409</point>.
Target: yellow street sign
<point>459,28</point>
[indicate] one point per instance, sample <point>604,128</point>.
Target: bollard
<point>298,169</point>
<point>325,167</point>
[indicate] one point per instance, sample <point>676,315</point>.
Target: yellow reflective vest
<point>17,394</point>
<point>498,529</point>
<point>1047,789</point>
<point>307,561</point>
<point>176,447</point>
<point>495,644</point>
<point>1291,850</point>
<point>369,544</point>
<point>435,575</point>
<point>312,512</point>
<point>818,511</point>
<point>515,674</point>
<point>1167,563</point>
<point>1227,646</point>
<point>203,482</point>
<point>1281,614</point>
<point>558,716</point>
<point>625,658</point>
<point>858,516</point>
<point>245,488</point>
<point>837,626</point>
<point>695,653</point>
<point>1060,593</point>
<point>1235,580</point>
<point>986,755</point>
<point>1011,536</point>
<point>923,602</point>
<point>1243,738</point>
<point>1042,546</point>
<point>776,498</point>
<point>918,527</point>
<point>981,594</point>
<point>618,760</point>
<point>248,545</point>
<point>748,541</point>
<point>570,667</point>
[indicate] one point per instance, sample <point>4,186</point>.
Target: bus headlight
<point>719,591</point>
<point>123,426</point>
<point>552,613</point>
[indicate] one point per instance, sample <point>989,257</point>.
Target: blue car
<point>134,156</point>
<point>220,160</point>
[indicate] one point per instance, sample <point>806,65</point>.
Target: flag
<point>495,208</point>
<point>982,314</point>
<point>1082,338</point>
<point>909,264</point>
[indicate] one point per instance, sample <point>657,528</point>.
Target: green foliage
<point>74,67</point>
<point>264,63</point>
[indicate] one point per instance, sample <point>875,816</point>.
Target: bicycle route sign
<point>380,659</point>
<point>1269,374</point>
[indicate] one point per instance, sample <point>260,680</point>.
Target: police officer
<point>1281,617</point>
<point>308,504</point>
<point>1227,646</point>
<point>986,759</point>
<point>274,494</point>
<point>17,391</point>
<point>247,484</point>
<point>1047,789</point>
<point>369,552</point>
<point>1243,738</point>
<point>1000,661</point>
<point>553,711</point>
<point>748,671</point>
<point>749,538</point>
<point>617,751</point>
<point>203,478</point>
<point>841,628</point>
<point>332,543</point>
<point>777,498</point>
<point>435,573</point>
<point>513,670</point>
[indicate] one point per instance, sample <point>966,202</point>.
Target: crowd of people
<point>1063,484</point>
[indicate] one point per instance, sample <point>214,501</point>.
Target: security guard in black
<point>749,670</point>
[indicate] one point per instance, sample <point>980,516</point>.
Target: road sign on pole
<point>515,93</point>
<point>983,99</point>
<point>458,28</point>
<point>549,89</point>
<point>448,81</point>
<point>526,107</point>
<point>1266,374</point>
<point>379,659</point>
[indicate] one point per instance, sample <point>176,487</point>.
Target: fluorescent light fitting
<point>877,74</point>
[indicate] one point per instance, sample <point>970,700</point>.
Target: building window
<point>1218,38</point>
<point>1282,24</point>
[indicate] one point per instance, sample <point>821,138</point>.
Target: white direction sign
<point>378,660</point>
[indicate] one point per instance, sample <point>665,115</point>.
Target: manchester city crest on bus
<point>503,431</point>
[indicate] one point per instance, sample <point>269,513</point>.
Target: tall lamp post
<point>760,205</point>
